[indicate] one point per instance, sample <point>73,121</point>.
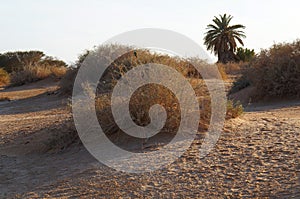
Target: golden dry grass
<point>233,68</point>
<point>31,73</point>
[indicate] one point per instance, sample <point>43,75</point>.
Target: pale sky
<point>65,28</point>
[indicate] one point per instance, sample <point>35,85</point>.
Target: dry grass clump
<point>58,72</point>
<point>234,109</point>
<point>275,72</point>
<point>140,103</point>
<point>4,77</point>
<point>31,73</point>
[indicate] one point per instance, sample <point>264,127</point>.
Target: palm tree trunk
<point>228,56</point>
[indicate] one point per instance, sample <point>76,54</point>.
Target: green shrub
<point>245,54</point>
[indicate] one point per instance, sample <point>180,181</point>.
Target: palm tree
<point>221,38</point>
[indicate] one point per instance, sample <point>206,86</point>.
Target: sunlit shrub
<point>274,72</point>
<point>4,77</point>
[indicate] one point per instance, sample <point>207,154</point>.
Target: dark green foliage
<point>221,38</point>
<point>14,61</point>
<point>239,84</point>
<point>50,61</point>
<point>245,54</point>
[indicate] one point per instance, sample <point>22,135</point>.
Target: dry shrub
<point>275,72</point>
<point>4,77</point>
<point>147,95</point>
<point>67,81</point>
<point>32,73</point>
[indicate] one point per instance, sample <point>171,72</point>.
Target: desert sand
<point>257,155</point>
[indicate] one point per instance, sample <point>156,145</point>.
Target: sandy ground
<point>256,156</point>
